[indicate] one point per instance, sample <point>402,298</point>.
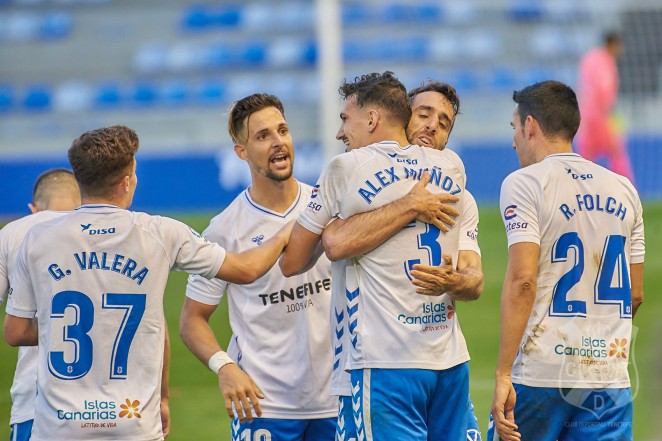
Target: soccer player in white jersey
<point>574,281</point>
<point>280,326</point>
<point>435,106</point>
<point>397,336</point>
<point>95,280</point>
<point>55,193</point>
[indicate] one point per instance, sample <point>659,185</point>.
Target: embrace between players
<point>355,333</point>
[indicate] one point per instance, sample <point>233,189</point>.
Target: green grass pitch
<point>197,407</point>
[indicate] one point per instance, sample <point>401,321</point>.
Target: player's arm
<point>464,283</point>
<point>362,233</point>
<point>637,285</point>
<point>165,386</point>
<point>20,331</point>
<point>237,387</point>
<point>247,267</point>
<point>302,251</point>
<point>517,298</point>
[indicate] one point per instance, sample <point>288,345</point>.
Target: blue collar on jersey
<point>97,206</point>
<point>557,155</point>
<point>273,213</point>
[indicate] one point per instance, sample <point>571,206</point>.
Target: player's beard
<point>279,176</point>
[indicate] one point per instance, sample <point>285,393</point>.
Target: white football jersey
<point>341,379</point>
<point>588,223</point>
<point>95,279</point>
<point>280,325</point>
<point>390,325</point>
<point>24,388</point>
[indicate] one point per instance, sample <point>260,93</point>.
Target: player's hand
<point>503,409</point>
<point>433,208</point>
<point>434,280</point>
<point>241,391</point>
<point>165,417</point>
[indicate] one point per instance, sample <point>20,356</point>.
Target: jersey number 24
<point>612,284</point>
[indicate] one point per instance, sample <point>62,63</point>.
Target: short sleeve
<point>637,244</point>
<point>518,203</point>
<point>4,263</point>
<point>21,302</point>
<point>193,253</point>
<point>469,225</point>
<point>323,204</point>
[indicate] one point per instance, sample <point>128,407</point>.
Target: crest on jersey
<point>258,239</point>
<point>509,213</point>
<point>605,364</point>
<point>316,190</point>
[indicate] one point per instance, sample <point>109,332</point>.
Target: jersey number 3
<point>77,333</point>
<point>428,242</point>
<point>612,284</point>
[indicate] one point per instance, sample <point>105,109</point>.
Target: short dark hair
<point>99,158</point>
<point>440,87</point>
<point>383,90</point>
<point>553,104</point>
<point>611,37</point>
<point>52,182</point>
<point>242,109</point>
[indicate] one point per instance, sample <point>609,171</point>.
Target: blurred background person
<point>599,131</point>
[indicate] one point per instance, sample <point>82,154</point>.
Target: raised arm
<point>247,267</point>
<point>302,251</point>
<point>237,387</point>
<point>517,298</point>
<point>362,233</point>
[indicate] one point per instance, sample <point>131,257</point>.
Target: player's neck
<point>97,200</point>
<point>277,196</point>
<point>553,148</point>
<point>398,136</point>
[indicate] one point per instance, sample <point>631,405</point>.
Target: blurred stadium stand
<point>170,69</point>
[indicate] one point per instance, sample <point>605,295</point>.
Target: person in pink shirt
<point>598,91</point>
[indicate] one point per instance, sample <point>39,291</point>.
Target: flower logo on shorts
<point>130,409</point>
<point>451,312</point>
<point>618,348</point>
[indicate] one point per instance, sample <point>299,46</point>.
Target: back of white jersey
<point>588,223</point>
<point>95,279</point>
<point>280,325</point>
<point>391,325</point>
<point>24,388</point>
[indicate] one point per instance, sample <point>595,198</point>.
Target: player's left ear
<point>33,208</point>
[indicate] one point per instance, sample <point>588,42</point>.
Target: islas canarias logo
<point>130,409</point>
<point>618,348</point>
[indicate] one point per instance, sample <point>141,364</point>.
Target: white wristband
<point>218,360</point>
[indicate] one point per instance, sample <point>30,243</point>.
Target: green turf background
<point>197,407</point>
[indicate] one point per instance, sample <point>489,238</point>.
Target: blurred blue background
<point>170,69</point>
